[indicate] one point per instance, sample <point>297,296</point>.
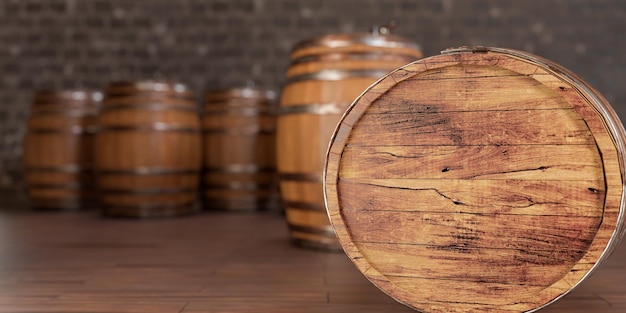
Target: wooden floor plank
<point>82,262</point>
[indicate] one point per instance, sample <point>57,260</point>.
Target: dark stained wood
<point>82,262</point>
<point>482,180</point>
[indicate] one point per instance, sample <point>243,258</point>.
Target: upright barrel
<point>58,149</point>
<point>148,149</point>
<point>239,168</point>
<point>480,180</point>
<point>325,75</point>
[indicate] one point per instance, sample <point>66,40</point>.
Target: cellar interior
<point>172,156</point>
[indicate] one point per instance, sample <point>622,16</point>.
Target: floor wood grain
<point>225,262</point>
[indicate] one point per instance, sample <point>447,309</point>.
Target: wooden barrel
<point>325,75</point>
<point>239,169</point>
<point>479,180</point>
<point>58,156</point>
<point>148,149</point>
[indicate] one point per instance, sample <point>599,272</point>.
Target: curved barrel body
<point>148,150</point>
<point>239,168</point>
<point>58,149</point>
<point>325,75</point>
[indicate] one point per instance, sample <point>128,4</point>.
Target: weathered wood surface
<point>472,182</point>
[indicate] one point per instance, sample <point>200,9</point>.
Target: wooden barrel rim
<point>336,75</point>
<point>602,122</point>
<point>258,94</point>
<point>240,169</point>
<point>80,96</point>
<point>353,56</point>
<point>66,168</point>
<point>350,39</point>
<point>139,87</point>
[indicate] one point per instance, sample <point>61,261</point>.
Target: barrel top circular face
<point>479,180</point>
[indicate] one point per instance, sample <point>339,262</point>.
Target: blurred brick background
<point>216,43</point>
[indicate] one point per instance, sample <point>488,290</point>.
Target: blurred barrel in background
<point>58,149</point>
<point>148,149</point>
<point>239,171</point>
<point>325,75</point>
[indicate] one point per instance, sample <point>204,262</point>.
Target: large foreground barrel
<point>148,150</point>
<point>239,171</point>
<point>58,149</point>
<point>325,75</point>
<point>480,180</point>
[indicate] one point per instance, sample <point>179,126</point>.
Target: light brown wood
<point>325,75</point>
<point>81,262</point>
<point>480,180</point>
<point>148,150</point>
<point>58,149</point>
<point>239,142</point>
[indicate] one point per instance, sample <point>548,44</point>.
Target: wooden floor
<point>225,262</point>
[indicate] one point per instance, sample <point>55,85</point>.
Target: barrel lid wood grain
<point>479,180</point>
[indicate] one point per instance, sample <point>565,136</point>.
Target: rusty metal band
<point>239,186</point>
<point>161,127</point>
<point>75,130</point>
<point>249,130</point>
<point>321,230</point>
<point>70,186</point>
<point>239,111</point>
<point>355,56</point>
<point>147,191</point>
<point>314,108</point>
<point>305,206</point>
<point>63,96</point>
<point>300,177</point>
<point>72,169</point>
<point>149,206</point>
<point>71,112</point>
<point>337,75</point>
<point>247,203</point>
<point>148,171</point>
<point>75,202</point>
<point>248,93</point>
<point>150,107</point>
<point>239,169</point>
<point>151,88</point>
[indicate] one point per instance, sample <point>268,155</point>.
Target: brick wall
<point>212,43</point>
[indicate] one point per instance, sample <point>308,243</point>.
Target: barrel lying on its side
<point>480,180</point>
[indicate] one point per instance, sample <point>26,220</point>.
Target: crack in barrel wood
<point>477,181</point>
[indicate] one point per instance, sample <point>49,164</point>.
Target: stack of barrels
<point>156,153</point>
<point>137,150</point>
<point>489,172</point>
